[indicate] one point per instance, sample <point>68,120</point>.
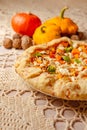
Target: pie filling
<point>62,59</point>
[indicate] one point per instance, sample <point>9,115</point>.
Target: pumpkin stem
<point>62,12</point>
<point>43,29</point>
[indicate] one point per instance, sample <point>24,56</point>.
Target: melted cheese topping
<point>68,61</point>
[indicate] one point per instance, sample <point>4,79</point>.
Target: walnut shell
<point>17,43</point>
<point>81,35</point>
<point>75,37</point>
<point>26,42</point>
<point>16,35</point>
<point>7,43</point>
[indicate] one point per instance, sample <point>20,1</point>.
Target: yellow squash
<point>46,33</point>
<point>68,27</point>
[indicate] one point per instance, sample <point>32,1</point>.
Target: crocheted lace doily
<point>22,108</point>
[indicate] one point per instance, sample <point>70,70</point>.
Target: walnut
<point>16,35</point>
<point>26,42</point>
<point>75,37</point>
<point>7,43</point>
<point>81,35</point>
<point>17,43</point>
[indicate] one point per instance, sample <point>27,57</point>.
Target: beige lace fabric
<point>22,108</point>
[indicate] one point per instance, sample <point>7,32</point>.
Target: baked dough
<point>69,81</point>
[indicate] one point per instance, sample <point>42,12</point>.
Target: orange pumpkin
<point>46,33</point>
<point>25,23</point>
<point>68,27</point>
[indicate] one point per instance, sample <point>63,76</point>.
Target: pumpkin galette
<point>57,68</point>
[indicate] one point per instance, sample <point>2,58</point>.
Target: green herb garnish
<point>77,61</point>
<point>51,69</point>
<point>68,49</point>
<point>37,54</point>
<point>66,58</point>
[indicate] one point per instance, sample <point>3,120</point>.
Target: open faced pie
<point>57,68</point>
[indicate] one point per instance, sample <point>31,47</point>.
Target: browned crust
<point>42,81</point>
